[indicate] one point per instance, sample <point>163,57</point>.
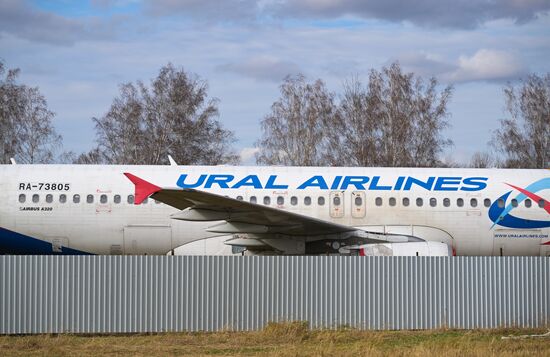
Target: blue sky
<point>78,52</point>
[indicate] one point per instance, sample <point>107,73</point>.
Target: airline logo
<point>502,214</point>
<point>340,183</point>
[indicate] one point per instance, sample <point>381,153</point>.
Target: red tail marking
<point>533,196</point>
<point>144,189</point>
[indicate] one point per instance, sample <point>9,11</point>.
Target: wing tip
<point>143,189</point>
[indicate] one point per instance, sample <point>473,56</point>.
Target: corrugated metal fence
<point>111,294</point>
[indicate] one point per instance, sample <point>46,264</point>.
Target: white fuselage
<point>449,205</point>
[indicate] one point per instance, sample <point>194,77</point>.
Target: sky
<point>79,52</point>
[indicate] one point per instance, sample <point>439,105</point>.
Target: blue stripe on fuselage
<point>17,243</point>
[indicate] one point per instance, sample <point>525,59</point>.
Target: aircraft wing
<point>240,216</point>
<point>257,226</point>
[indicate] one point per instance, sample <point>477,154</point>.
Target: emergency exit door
<point>336,204</point>
<point>358,204</point>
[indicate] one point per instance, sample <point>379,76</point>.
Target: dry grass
<point>285,339</point>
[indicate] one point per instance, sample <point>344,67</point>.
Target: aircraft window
<point>131,199</point>
<point>514,202</point>
<point>358,201</point>
<point>116,199</point>
<point>460,202</point>
<point>280,200</point>
<point>541,203</point>
<point>406,201</point>
<point>500,203</point>
<point>336,201</point>
<point>378,201</point>
<point>419,202</point>
<point>473,202</point>
<point>253,199</point>
<point>307,200</point>
<point>267,200</point>
<point>294,200</point>
<point>35,198</point>
<point>90,199</point>
<point>446,202</point>
<point>103,199</point>
<point>527,203</point>
<point>240,198</point>
<point>62,198</point>
<point>22,198</point>
<point>321,201</point>
<point>487,202</point>
<point>393,201</point>
<point>433,202</point>
<point>76,198</point>
<point>49,198</point>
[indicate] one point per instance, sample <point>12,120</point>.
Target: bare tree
<point>429,116</point>
<point>293,133</point>
<point>524,138</point>
<point>172,116</point>
<point>396,120</point>
<point>92,157</point>
<point>354,134</point>
<point>26,130</point>
<point>481,160</point>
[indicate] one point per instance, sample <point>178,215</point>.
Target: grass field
<point>287,339</point>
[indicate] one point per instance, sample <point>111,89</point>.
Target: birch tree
<point>26,130</point>
<point>171,116</point>
<point>293,133</point>
<point>396,119</point>
<point>524,137</point>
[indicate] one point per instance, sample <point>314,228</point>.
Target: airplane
<point>237,210</point>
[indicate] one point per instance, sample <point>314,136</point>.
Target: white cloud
<point>483,65</point>
<point>248,155</point>
<point>488,65</point>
